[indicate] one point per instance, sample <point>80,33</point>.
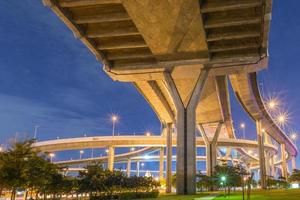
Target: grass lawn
<point>292,194</point>
<point>178,197</point>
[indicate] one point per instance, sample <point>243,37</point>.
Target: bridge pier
<point>128,169</point>
<point>211,148</point>
<point>138,168</point>
<point>294,163</point>
<point>169,159</point>
<point>261,152</point>
<point>273,170</point>
<point>111,157</point>
<point>268,160</point>
<point>283,163</point>
<point>186,137</point>
<point>161,163</point>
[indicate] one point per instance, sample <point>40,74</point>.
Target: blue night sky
<point>49,78</point>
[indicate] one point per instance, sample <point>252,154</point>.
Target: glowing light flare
<point>294,136</point>
<point>52,155</point>
<point>148,133</point>
<point>132,149</point>
<point>106,150</point>
<point>272,103</point>
<point>282,118</point>
<point>243,125</point>
<point>81,152</point>
<point>114,118</point>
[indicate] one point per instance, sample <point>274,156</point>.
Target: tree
<point>295,177</point>
<point>203,181</point>
<point>233,176</point>
<point>14,163</point>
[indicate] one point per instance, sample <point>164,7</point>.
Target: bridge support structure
<point>128,169</point>
<point>294,163</point>
<point>138,168</point>
<point>161,163</point>
<point>283,159</point>
<point>111,156</point>
<point>169,159</point>
<point>261,153</point>
<point>185,128</point>
<point>211,148</point>
<point>273,170</point>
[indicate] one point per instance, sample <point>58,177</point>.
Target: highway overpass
<point>181,56</point>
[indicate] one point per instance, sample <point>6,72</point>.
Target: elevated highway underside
<point>179,54</point>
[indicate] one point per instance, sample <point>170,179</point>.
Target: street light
<point>1,149</point>
<point>223,182</point>
<point>106,150</point>
<point>272,104</point>
<point>282,118</point>
<point>52,155</point>
<point>35,131</point>
<point>132,149</point>
<point>80,154</point>
<point>294,137</point>
<point>243,126</point>
<point>148,133</point>
<point>114,119</point>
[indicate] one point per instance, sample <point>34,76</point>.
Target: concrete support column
<point>211,148</point>
<point>294,163</point>
<point>268,160</point>
<point>111,156</point>
<point>169,160</point>
<point>161,163</point>
<point>283,164</point>
<point>185,126</point>
<point>138,168</point>
<point>128,169</point>
<point>273,172</point>
<point>261,152</point>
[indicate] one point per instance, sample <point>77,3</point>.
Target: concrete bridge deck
<point>179,55</point>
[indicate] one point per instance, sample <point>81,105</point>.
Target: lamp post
<point>142,165</point>
<point>243,126</point>
<point>80,154</point>
<point>223,182</point>
<point>114,119</point>
<point>35,131</point>
<point>52,155</point>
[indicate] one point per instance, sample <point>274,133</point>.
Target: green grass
<point>178,197</point>
<point>266,195</point>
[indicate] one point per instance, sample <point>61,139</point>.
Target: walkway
<point>209,197</point>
